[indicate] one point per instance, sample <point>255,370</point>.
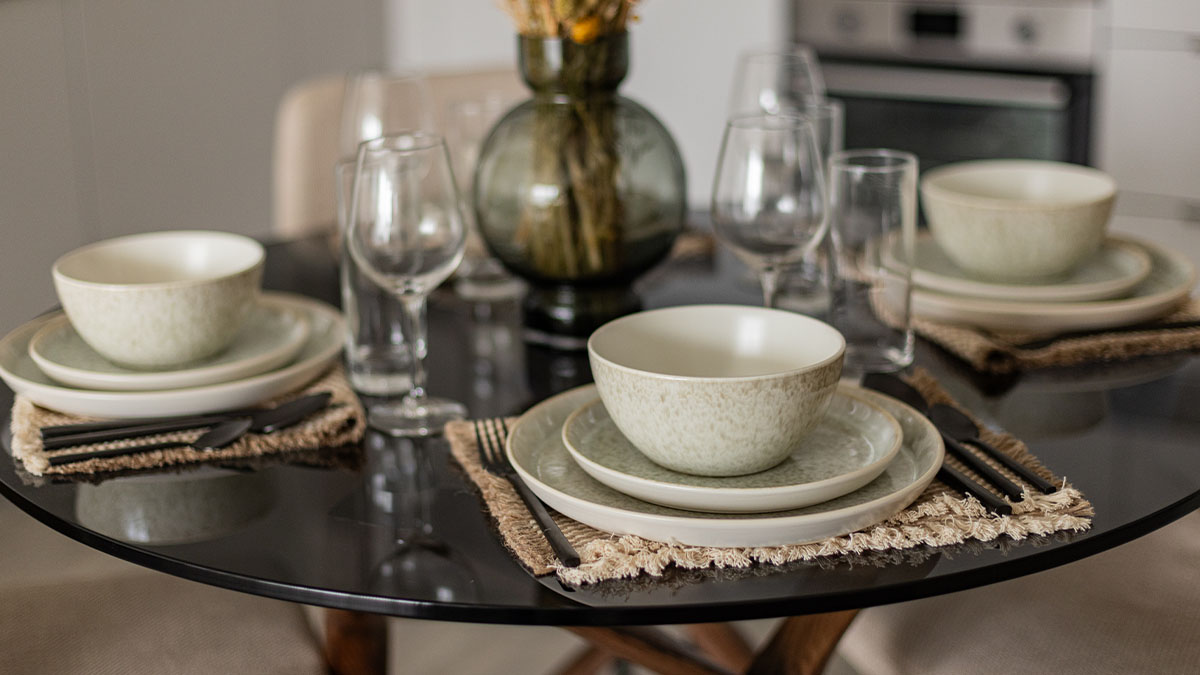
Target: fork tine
<point>480,445</point>
<point>493,444</point>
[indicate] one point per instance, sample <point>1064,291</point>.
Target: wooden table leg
<point>723,644</point>
<point>802,645</point>
<point>649,648</point>
<point>355,642</point>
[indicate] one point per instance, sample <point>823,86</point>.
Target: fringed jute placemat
<point>939,517</point>
<point>1006,352</point>
<point>341,423</point>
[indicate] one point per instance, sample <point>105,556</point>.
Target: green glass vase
<point>578,190</point>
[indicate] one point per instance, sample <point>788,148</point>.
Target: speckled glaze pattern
<point>852,444</point>
<point>1002,244</point>
<point>1113,271</point>
<point>271,335</point>
<point>537,451</point>
<point>160,326</point>
<point>713,427</point>
<point>1015,219</point>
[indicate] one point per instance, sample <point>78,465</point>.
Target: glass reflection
<point>411,560</point>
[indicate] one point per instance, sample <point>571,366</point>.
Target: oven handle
<point>946,86</point>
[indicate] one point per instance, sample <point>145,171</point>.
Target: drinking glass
<point>769,201</point>
<point>873,204</point>
<point>405,231</point>
<point>375,103</point>
<point>776,82</point>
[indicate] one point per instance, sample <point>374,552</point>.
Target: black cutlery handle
<point>562,548</point>
<point>1026,474</point>
<point>127,431</point>
<point>956,479</point>
<point>88,427</point>
<point>114,452</point>
<point>982,468</point>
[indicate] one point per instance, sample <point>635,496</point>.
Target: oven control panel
<point>1053,34</point>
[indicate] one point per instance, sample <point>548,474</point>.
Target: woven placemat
<point>341,423</point>
<point>939,517</point>
<point>1006,352</point>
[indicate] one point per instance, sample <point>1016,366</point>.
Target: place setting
<point>166,351</point>
<point>1018,270</point>
<point>722,435</point>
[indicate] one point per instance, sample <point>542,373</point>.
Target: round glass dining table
<point>396,528</point>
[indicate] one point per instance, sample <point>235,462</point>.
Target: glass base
<point>563,317</point>
<point>407,417</point>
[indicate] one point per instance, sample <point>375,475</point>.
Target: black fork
<point>490,436</point>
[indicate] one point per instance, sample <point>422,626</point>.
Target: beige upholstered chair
<point>67,609</point>
<point>307,124</point>
<point>1134,609</point>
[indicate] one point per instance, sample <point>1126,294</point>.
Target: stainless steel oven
<point>949,81</point>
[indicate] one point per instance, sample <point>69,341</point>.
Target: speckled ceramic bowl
<point>716,390</point>
<point>1018,219</point>
<point>161,299</point>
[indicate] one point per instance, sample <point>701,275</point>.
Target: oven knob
<point>847,22</point>
<point>1026,31</point>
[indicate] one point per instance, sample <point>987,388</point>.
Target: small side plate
<point>852,445</point>
<point>1117,267</point>
<point>272,335</point>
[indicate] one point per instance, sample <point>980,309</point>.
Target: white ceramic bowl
<point>716,390</point>
<point>1014,219</point>
<point>161,299</point>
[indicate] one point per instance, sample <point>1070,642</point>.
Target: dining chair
<point>1133,609</point>
<point>307,123</point>
<point>67,609</point>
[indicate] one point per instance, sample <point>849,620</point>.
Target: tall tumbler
<point>375,103</point>
<point>873,205</point>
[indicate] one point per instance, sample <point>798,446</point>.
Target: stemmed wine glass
<point>776,82</point>
<point>769,203</point>
<point>406,232</point>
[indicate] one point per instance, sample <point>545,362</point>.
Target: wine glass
<point>769,202</point>
<point>377,103</point>
<point>406,232</point>
<point>776,82</point>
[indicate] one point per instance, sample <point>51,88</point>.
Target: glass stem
<point>769,276</point>
<point>414,331</point>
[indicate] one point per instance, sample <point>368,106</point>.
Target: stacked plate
<point>868,459</point>
<point>1128,281</point>
<point>285,342</point>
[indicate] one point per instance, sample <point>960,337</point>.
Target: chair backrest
<point>307,124</point>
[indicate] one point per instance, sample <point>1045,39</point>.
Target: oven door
<point>950,114</point>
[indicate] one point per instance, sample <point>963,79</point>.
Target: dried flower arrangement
<point>577,234</point>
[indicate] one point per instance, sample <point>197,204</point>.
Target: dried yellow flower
<point>586,29</point>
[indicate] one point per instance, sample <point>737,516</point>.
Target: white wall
<point>123,116</point>
<point>681,65</point>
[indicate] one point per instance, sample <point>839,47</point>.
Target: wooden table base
<point>356,644</point>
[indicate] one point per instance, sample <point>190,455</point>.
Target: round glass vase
<point>578,190</point>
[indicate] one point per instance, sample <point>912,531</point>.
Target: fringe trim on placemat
<point>342,423</point>
<point>939,517</point>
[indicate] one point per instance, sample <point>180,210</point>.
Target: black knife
<point>262,420</point>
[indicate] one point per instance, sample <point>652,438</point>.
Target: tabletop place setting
<point>710,435</point>
<point>166,351</point>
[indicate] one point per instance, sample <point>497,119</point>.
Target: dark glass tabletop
<point>1125,434</point>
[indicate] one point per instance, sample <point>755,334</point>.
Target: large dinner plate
<point>1171,279</point>
<point>536,449</point>
<point>1117,267</point>
<point>850,447</point>
<point>272,335</point>
<point>23,376</point>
